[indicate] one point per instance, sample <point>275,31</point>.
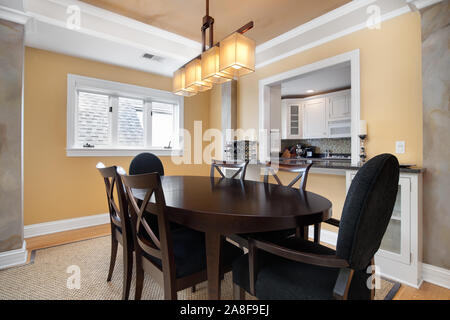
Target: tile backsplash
<point>340,146</point>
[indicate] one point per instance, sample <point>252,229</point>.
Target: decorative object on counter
<point>310,152</point>
<point>286,154</point>
<point>341,145</point>
<point>243,150</point>
<point>363,135</point>
<point>299,150</point>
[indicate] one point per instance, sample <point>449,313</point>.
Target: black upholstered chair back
<point>367,210</point>
<point>146,163</point>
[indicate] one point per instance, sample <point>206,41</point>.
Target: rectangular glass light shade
<point>194,77</point>
<point>237,55</point>
<point>210,67</point>
<point>179,84</point>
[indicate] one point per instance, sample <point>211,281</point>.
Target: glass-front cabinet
<point>395,244</point>
<point>292,119</point>
<point>399,255</point>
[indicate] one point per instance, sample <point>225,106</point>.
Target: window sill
<point>81,152</point>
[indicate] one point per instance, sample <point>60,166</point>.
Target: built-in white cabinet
<point>292,119</point>
<point>400,256</point>
<point>339,106</point>
<point>315,119</point>
<point>323,116</point>
<point>339,115</point>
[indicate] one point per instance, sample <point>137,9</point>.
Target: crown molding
<point>106,37</point>
<point>420,4</point>
<point>110,26</point>
<point>340,22</point>
<point>315,23</point>
<point>13,15</point>
<point>125,21</point>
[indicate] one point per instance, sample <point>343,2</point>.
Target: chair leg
<point>317,228</point>
<point>139,278</point>
<point>114,245</point>
<point>170,294</point>
<point>127,272</point>
<point>302,232</point>
<point>238,292</point>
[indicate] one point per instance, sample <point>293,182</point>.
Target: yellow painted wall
<point>391,92</point>
<point>60,187</point>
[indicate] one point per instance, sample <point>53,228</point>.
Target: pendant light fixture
<point>229,59</point>
<point>194,76</point>
<point>179,84</point>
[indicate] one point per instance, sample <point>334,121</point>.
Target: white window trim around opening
<point>76,83</point>
<point>264,98</point>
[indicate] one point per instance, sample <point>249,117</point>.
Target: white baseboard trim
<point>13,258</point>
<point>326,236</point>
<point>40,229</point>
<point>436,275</point>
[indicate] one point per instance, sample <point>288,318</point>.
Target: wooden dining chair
<point>219,165</point>
<point>121,231</point>
<point>302,171</point>
<point>297,269</point>
<point>176,259</point>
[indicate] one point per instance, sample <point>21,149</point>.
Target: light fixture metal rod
<point>208,23</point>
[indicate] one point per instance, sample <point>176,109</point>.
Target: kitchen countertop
<point>339,164</point>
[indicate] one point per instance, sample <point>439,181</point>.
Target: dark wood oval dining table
<point>224,207</point>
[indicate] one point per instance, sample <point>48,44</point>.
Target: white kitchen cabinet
<point>315,118</point>
<point>400,256</point>
<point>339,105</point>
<point>324,116</point>
<point>292,123</point>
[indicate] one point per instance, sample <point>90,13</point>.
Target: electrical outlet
<point>400,147</point>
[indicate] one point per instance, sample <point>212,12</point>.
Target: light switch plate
<point>400,147</point>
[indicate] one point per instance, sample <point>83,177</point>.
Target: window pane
<point>131,122</point>
<point>93,125</point>
<point>162,124</point>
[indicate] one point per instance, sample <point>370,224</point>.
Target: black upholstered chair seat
<point>189,251</point>
<point>282,279</point>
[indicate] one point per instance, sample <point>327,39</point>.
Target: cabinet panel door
<point>294,121</point>
<point>339,106</point>
<point>315,119</point>
<point>396,243</point>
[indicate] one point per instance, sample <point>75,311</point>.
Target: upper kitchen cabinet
<point>339,106</point>
<point>339,114</point>
<point>315,118</point>
<point>292,119</point>
<point>322,116</point>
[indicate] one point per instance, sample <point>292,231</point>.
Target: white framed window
<point>106,118</point>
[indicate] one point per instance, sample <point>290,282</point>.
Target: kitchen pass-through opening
<point>313,112</point>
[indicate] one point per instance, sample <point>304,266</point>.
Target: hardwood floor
<point>427,291</point>
<point>59,238</point>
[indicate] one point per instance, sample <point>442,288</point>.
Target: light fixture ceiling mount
<point>221,62</point>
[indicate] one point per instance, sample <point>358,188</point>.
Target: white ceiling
<point>95,48</point>
<point>336,77</point>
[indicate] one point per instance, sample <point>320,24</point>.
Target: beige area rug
<point>46,277</point>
